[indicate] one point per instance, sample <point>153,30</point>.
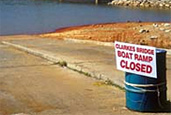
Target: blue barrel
<point>147,94</point>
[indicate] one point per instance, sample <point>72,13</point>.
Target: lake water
<point>38,16</point>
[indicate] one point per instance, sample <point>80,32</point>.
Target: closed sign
<point>136,59</point>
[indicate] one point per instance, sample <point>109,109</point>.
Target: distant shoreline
<point>159,4</point>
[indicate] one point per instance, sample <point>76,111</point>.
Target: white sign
<point>136,59</point>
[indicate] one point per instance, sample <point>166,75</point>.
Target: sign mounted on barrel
<point>136,59</point>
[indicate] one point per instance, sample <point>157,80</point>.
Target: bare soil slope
<point>154,34</point>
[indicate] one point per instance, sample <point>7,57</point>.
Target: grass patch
<point>106,82</point>
<point>110,82</point>
<point>62,63</point>
<point>103,82</point>
<point>100,83</point>
<point>81,72</point>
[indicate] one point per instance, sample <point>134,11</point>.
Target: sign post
<point>136,59</point>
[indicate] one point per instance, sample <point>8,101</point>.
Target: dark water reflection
<point>37,16</point>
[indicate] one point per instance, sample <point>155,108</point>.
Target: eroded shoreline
<point>146,33</point>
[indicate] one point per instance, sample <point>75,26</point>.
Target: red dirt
<point>157,34</point>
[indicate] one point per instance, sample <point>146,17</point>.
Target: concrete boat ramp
<point>90,59</point>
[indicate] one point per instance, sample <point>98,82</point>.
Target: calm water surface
<point>38,16</point>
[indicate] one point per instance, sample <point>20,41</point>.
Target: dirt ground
<point>145,33</point>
